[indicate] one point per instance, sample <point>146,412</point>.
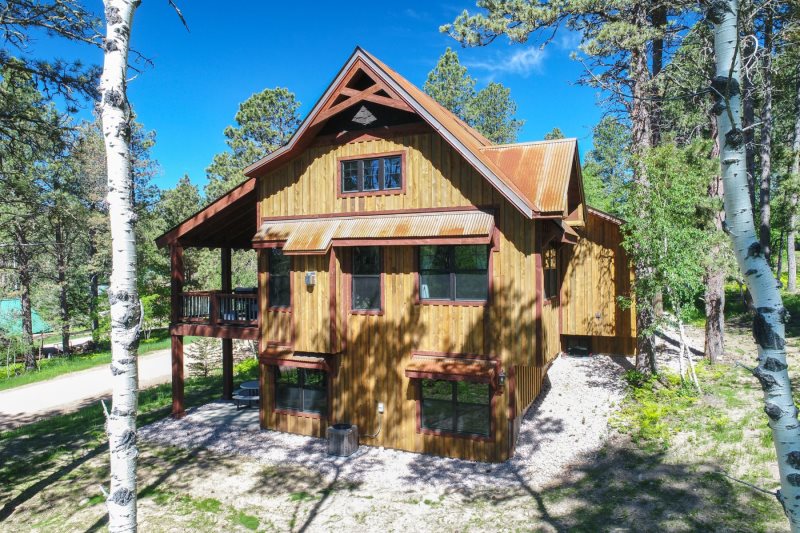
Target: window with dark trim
<point>454,272</point>
<point>460,407</point>
<point>550,272</point>
<point>278,285</point>
<point>373,174</point>
<point>301,389</point>
<point>366,278</point>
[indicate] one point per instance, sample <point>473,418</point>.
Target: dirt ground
<point>625,486</point>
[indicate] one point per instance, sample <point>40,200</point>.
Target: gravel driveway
<point>569,420</point>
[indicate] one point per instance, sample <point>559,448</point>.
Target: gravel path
<point>567,423</point>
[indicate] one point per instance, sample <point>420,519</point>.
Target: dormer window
<point>381,174</point>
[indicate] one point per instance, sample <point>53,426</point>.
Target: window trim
<point>557,292</point>
<point>295,412</point>
<point>491,437</point>
<point>419,300</point>
<point>379,192</point>
<point>279,308</point>
<point>349,283</point>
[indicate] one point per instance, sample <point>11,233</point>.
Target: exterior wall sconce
<point>501,378</point>
<point>311,279</point>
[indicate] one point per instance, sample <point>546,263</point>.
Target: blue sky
<point>235,49</point>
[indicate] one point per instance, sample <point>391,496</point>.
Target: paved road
<point>70,392</point>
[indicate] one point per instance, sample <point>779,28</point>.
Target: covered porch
<point>228,313</point>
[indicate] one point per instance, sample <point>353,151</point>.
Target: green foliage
<point>554,134</point>
<point>666,226</point>
<point>264,123</point>
<point>203,357</point>
<point>490,111</point>
<point>608,167</point>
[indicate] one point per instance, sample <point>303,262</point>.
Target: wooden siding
<point>596,272</point>
<point>374,349</point>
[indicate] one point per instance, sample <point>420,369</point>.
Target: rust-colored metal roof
<point>450,368</point>
<point>316,235</point>
<point>541,170</point>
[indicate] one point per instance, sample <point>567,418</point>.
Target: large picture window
<point>550,272</point>
<point>366,295</point>
<point>454,272</point>
<point>301,389</point>
<point>279,287</point>
<point>460,407</point>
<point>371,175</point>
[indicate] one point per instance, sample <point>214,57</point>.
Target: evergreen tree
<point>553,134</point>
<point>264,123</point>
<point>490,111</point>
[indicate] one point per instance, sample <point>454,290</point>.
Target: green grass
<point>57,366</point>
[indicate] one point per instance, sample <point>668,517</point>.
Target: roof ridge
<point>529,143</point>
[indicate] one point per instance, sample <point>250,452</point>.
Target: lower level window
<point>301,389</point>
<point>456,407</point>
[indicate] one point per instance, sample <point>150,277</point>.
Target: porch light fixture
<point>501,378</point>
<point>311,279</point>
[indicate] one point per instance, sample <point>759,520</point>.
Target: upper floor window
<point>366,278</point>
<point>279,287</point>
<point>550,272</point>
<point>454,272</point>
<point>375,174</point>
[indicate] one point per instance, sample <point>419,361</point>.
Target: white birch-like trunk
<point>122,294</point>
<point>770,315</point>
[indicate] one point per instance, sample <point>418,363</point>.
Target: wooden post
<point>176,283</point>
<point>178,410</point>
<point>227,344</point>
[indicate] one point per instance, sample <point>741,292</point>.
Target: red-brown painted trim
<point>512,393</point>
<point>178,409</point>
<point>200,217</point>
<point>372,134</point>
<point>537,308</point>
<point>219,332</point>
<point>454,355</point>
<point>332,343</point>
<point>343,214</point>
<point>479,438</point>
<point>383,192</point>
<point>302,414</point>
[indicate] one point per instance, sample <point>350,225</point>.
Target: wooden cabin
<point>413,278</point>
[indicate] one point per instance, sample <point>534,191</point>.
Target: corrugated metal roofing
<point>314,236</point>
<point>11,318</point>
<point>541,170</point>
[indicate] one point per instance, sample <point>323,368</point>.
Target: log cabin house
<point>413,278</point>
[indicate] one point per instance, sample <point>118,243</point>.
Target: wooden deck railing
<point>219,308</point>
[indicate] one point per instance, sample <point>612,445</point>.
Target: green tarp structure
<point>11,318</point>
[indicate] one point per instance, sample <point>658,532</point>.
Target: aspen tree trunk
<point>749,109</point>
<point>122,294</point>
<point>795,177</point>
<point>770,315</point>
<point>764,189</point>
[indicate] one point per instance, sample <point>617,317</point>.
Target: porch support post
<point>227,344</point>
<point>176,284</point>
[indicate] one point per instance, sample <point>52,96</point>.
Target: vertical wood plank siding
<point>373,350</point>
<point>597,272</point>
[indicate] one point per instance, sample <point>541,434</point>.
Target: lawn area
<point>662,469</point>
<point>56,366</point>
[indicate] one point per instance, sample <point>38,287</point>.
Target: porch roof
<point>227,222</point>
<point>317,235</point>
